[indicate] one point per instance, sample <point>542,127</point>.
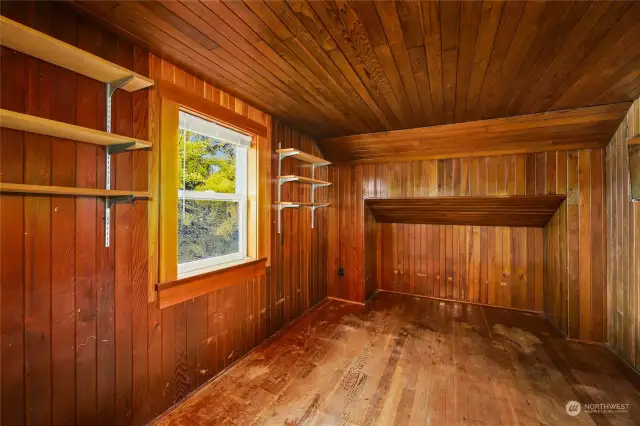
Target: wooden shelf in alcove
<point>39,45</point>
<point>497,210</point>
<point>634,140</point>
<point>30,123</point>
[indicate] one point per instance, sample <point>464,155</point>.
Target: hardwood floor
<point>407,360</point>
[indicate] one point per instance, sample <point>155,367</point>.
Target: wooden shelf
<point>300,204</point>
<point>303,156</point>
<point>62,190</point>
<point>302,179</point>
<point>498,210</point>
<point>34,43</point>
<point>635,140</point>
<point>29,123</point>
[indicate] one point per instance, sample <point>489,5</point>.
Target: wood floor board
<point>402,359</point>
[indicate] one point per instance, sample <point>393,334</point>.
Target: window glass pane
<point>207,164</point>
<point>207,228</point>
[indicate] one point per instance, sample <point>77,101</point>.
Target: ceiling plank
<point>339,67</point>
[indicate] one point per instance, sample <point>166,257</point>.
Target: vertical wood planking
<point>78,321</point>
<point>63,158</point>
<point>12,284</point>
<point>502,266</point>
<point>622,246</point>
<point>37,241</point>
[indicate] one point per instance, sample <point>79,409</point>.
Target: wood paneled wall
<point>623,246</point>
<point>493,265</point>
<point>575,280</point>
<point>299,252</point>
<point>80,343</point>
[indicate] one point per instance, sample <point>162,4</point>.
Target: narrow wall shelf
<point>302,156</point>
<point>302,179</point>
<point>315,183</point>
<point>63,190</point>
<point>635,140</point>
<point>29,123</point>
<point>39,45</point>
<point>286,204</point>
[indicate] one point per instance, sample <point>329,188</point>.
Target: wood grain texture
<point>551,131</point>
<point>52,50</point>
<point>81,343</point>
<point>622,246</point>
<point>501,265</point>
<point>469,349</point>
<point>505,210</point>
<point>338,68</point>
<point>172,293</point>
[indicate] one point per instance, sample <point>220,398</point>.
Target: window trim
<point>165,103</point>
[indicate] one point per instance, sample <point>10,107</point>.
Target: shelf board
<point>635,140</point>
<point>29,123</point>
<point>496,210</point>
<point>303,156</point>
<point>62,190</point>
<point>302,179</point>
<point>34,43</point>
<point>301,204</point>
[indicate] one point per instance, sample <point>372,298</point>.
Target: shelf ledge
<point>301,204</point>
<point>39,45</point>
<point>491,210</point>
<point>635,140</point>
<point>302,179</point>
<point>302,156</point>
<point>20,188</point>
<point>29,123</point>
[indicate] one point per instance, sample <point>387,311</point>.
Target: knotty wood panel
<point>506,210</point>
<point>80,343</point>
<point>491,265</point>
<point>341,68</point>
<point>623,246</point>
<point>552,131</point>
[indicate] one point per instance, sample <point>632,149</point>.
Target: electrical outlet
<point>341,272</point>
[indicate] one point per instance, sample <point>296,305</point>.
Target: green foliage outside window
<point>206,228</point>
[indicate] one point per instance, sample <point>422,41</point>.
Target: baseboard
<point>345,301</point>
<point>463,301</point>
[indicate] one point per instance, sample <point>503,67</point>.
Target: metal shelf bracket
<point>110,89</point>
<point>282,181</point>
<point>108,203</point>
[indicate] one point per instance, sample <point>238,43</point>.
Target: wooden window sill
<point>174,292</point>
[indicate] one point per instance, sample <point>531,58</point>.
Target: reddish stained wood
<point>12,278</point>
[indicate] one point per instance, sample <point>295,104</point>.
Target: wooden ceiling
<point>496,210</point>
<point>590,127</point>
<point>337,68</point>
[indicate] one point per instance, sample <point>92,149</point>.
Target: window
<point>212,195</point>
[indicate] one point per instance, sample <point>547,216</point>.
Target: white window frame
<point>196,267</point>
